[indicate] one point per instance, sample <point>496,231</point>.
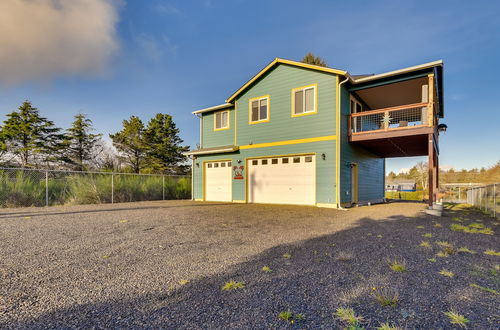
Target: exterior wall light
<point>442,127</point>
<point>197,164</point>
<point>239,161</point>
<point>323,156</point>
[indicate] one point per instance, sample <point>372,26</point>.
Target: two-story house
<point>303,134</point>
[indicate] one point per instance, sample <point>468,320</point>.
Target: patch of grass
<point>285,316</point>
<point>447,273</point>
<point>266,269</point>
<point>457,319</point>
<point>123,221</point>
<point>286,255</point>
<point>183,282</point>
<point>444,244</point>
<point>386,296</point>
<point>485,289</point>
<point>438,225</point>
<point>379,236</point>
<point>233,285</point>
<point>432,259</point>
<point>388,326</point>
<point>456,219</point>
<point>491,252</point>
<point>397,266</point>
<point>427,235</point>
<point>466,250</point>
<point>425,244</point>
<point>473,228</point>
<point>420,227</point>
<point>348,316</point>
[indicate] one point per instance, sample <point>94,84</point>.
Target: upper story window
<point>221,120</point>
<point>259,109</point>
<point>304,100</point>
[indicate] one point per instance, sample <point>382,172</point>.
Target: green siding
<point>278,83</point>
<point>213,138</point>
<point>325,169</point>
<point>371,168</point>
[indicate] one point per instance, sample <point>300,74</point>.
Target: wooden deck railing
<point>393,118</point>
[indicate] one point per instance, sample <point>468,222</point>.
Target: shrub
<point>348,316</point>
<point>386,296</point>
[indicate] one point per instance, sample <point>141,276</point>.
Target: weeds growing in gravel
<point>432,259</point>
<point>457,319</point>
<point>344,256</point>
<point>438,225</point>
<point>485,289</point>
<point>473,228</point>
<point>420,227</point>
<point>287,255</point>
<point>183,282</point>
<point>425,244</point>
<point>466,250</point>
<point>233,285</point>
<point>266,269</point>
<point>447,273</point>
<point>491,252</point>
<point>397,266</point>
<point>444,244</point>
<point>387,326</point>
<point>427,235</point>
<point>348,316</point>
<point>290,317</point>
<point>386,296</point>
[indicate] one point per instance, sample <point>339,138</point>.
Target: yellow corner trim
<point>327,205</point>
<point>315,111</point>
<point>283,143</point>
<point>238,201</point>
<point>198,199</point>
<point>258,98</point>
<point>280,60</point>
<point>228,120</point>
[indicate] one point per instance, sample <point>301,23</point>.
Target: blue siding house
<point>303,134</point>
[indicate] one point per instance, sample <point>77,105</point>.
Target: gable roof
<point>278,61</point>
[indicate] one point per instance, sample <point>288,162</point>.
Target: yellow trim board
<point>238,201</point>
<point>283,61</point>
<point>315,111</point>
<point>337,143</point>
<point>228,120</point>
<point>327,205</point>
<point>258,98</point>
<point>287,142</point>
<point>198,199</point>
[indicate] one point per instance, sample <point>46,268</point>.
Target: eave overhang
<point>215,150</point>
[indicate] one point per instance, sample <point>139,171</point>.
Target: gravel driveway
<point>162,265</point>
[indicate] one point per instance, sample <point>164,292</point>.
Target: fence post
<point>112,188</point>
<point>163,187</point>
<point>494,200</point>
<point>46,188</point>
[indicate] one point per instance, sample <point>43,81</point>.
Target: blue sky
<point>178,56</point>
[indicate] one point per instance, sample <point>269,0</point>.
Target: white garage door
<point>282,180</point>
<point>218,181</point>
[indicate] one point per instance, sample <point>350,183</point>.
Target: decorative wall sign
<point>238,172</point>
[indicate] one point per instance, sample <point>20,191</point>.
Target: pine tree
<point>310,58</point>
<point>130,143</point>
<point>30,138</point>
<point>81,146</point>
<point>165,153</point>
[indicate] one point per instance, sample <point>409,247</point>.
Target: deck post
<point>431,169</point>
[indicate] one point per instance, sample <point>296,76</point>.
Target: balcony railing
<point>394,118</point>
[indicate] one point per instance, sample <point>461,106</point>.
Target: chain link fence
<point>31,187</point>
<point>418,195</point>
<point>486,198</point>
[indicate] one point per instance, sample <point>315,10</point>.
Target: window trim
<point>228,120</point>
<point>250,122</point>
<point>294,90</point>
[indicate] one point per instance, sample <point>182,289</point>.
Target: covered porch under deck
<point>400,119</point>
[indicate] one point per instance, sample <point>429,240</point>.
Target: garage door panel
<point>282,183</point>
<point>218,182</point>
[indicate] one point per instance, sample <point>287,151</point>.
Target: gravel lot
<point>162,265</point>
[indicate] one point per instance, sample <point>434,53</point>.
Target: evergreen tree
<point>165,153</point>
<point>310,58</point>
<point>81,146</point>
<point>31,138</point>
<point>130,143</point>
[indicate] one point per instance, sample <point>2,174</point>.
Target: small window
<point>255,162</point>
<point>228,164</point>
<point>216,164</point>
<point>296,159</point>
<point>304,100</point>
<point>274,161</point>
<point>308,159</point>
<point>221,120</point>
<point>284,160</point>
<point>264,162</point>
<point>222,164</point>
<point>259,109</point>
<point>209,165</point>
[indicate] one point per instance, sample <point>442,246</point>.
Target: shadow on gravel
<point>344,269</point>
<point>36,213</point>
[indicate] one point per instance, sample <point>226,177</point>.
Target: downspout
<point>338,133</point>
<point>193,158</point>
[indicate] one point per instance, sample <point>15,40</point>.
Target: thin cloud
<point>43,39</point>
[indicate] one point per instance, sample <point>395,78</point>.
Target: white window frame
<point>355,101</point>
<point>215,120</point>
<point>314,87</point>
<point>268,114</point>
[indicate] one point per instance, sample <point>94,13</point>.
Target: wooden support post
<point>431,170</point>
<point>430,107</point>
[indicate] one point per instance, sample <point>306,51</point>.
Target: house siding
<point>213,138</point>
<point>371,168</point>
